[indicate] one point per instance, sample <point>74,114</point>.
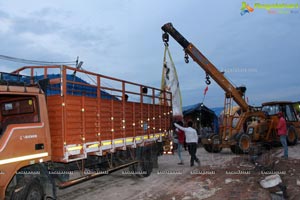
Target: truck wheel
<point>144,167</point>
<point>208,147</point>
<point>292,137</point>
<point>28,188</point>
<point>244,143</point>
<point>216,144</point>
<point>214,147</point>
<point>147,164</point>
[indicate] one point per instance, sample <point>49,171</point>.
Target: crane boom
<point>208,67</point>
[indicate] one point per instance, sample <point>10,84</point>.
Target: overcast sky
<point>122,38</point>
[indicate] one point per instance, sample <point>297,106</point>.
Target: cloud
<point>34,36</point>
<point>3,14</point>
<point>35,26</point>
<point>123,39</point>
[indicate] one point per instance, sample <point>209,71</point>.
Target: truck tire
<point>145,165</point>
<point>292,137</point>
<point>216,144</point>
<point>28,188</point>
<point>208,147</point>
<point>214,147</point>
<point>243,144</point>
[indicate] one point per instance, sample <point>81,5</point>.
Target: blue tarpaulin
<point>54,89</point>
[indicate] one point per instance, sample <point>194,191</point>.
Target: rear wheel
<point>28,188</point>
<point>243,144</point>
<point>292,137</point>
<point>208,147</point>
<point>216,144</point>
<point>145,165</point>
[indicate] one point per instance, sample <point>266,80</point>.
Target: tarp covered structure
<point>202,117</point>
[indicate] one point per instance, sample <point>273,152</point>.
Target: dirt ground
<point>221,176</point>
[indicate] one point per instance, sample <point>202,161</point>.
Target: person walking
<point>181,140</point>
<point>191,138</point>
<point>282,132</point>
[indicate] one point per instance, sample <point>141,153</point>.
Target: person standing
<point>282,132</point>
<point>191,138</point>
<point>181,140</point>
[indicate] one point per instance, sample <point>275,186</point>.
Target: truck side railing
<point>99,113</point>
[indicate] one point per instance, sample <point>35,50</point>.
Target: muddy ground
<point>221,176</point>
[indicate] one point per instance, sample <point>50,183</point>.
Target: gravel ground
<point>221,176</point>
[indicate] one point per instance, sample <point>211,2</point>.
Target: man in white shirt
<point>191,139</point>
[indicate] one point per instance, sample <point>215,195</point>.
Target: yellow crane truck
<point>253,126</point>
<point>58,129</point>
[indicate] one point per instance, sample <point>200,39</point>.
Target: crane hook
<point>186,58</point>
<point>208,82</point>
<point>165,37</point>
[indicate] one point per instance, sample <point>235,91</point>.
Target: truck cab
<point>24,136</point>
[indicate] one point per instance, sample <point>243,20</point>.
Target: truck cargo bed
<point>93,118</point>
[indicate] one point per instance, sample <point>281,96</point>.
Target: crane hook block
<point>186,58</point>
<point>165,37</point>
<point>208,82</point>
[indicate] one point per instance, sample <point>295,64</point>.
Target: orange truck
<point>62,125</point>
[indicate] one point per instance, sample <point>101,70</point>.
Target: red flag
<point>205,90</point>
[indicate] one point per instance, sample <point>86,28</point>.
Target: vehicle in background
<point>289,113</point>
<point>243,132</point>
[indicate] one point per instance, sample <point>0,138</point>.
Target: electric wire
<point>104,83</point>
<point>36,62</point>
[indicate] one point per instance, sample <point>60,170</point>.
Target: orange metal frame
<point>86,124</point>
